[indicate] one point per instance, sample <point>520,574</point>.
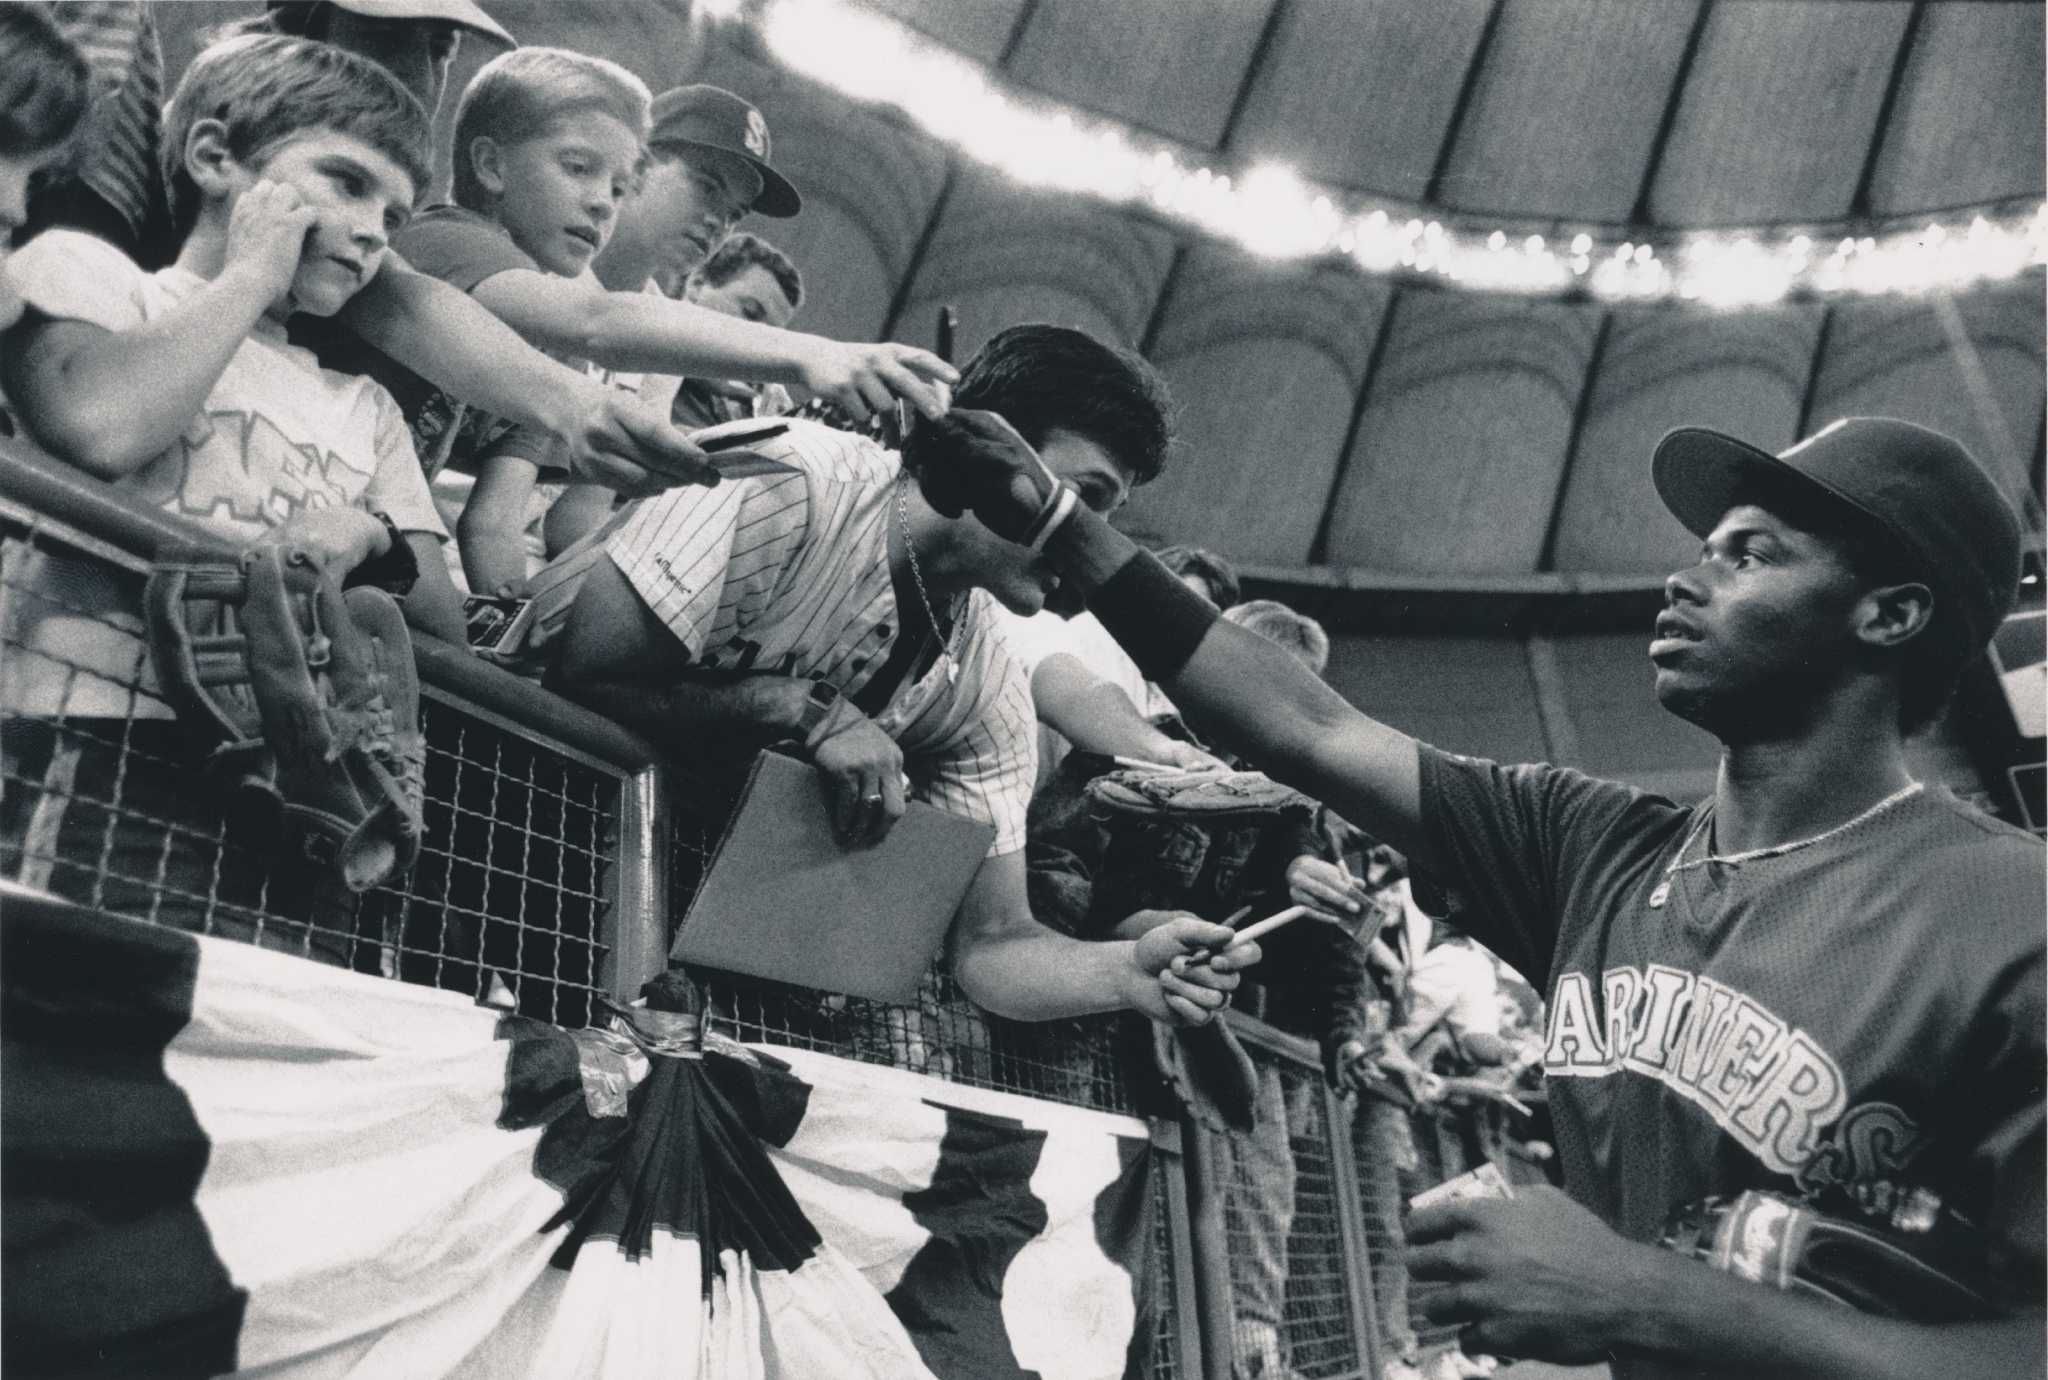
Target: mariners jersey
<point>1849,1021</point>
<point>789,575</point>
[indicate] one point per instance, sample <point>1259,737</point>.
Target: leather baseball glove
<point>1927,1266</point>
<point>306,695</point>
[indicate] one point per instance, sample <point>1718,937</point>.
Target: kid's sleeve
<point>70,276</point>
<point>459,247</point>
<point>399,487</point>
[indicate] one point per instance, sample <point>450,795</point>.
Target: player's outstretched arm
<point>1012,965</point>
<point>1270,708</point>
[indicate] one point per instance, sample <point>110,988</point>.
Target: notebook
<point>784,899</point>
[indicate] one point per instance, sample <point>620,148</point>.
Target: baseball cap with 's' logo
<point>710,117</point>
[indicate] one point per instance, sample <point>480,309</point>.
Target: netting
<point>1293,1274</point>
<point>107,801</point>
<point>1085,1062</point>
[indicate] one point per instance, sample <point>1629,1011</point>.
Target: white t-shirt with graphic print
<point>278,436</point>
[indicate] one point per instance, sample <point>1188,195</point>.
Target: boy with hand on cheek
<point>289,165</point>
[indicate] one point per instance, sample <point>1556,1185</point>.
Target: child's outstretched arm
<point>80,387</point>
<point>439,333</point>
<point>642,332</point>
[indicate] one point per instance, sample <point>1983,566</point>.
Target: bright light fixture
<point>1275,213</point>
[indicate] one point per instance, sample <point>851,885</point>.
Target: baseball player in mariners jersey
<point>1824,981</point>
<point>833,608</point>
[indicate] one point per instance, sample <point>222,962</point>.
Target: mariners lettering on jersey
<point>1763,1081</point>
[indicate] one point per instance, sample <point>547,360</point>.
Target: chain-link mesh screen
<point>1383,1149</point>
<point>1087,1062</point>
<point>105,800</point>
<point>1291,1274</point>
<point>1446,1146</point>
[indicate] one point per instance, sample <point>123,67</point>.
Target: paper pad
<point>783,899</point>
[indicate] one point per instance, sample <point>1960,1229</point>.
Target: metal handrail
<point>118,527</point>
<point>108,515</point>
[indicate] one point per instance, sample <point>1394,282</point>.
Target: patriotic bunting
<point>220,1159</point>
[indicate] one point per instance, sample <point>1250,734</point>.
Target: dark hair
<point>266,88</point>
<point>44,85</point>
<point>1043,379</point>
<point>1931,664</point>
<point>1206,566</point>
<point>741,251</point>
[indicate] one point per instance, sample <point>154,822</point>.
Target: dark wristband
<point>395,572</point>
<point>1158,620</point>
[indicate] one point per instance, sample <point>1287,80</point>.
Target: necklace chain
<point>917,575</point>
<point>1679,863</point>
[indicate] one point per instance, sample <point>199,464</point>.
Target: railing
<point>559,850</point>
<point>559,853</point>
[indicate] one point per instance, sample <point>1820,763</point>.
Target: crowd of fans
<point>261,249</point>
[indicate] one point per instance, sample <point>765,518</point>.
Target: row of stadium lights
<point>1272,212</point>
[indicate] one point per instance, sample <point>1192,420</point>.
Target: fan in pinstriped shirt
<point>834,607</point>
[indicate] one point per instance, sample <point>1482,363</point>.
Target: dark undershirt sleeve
<point>1504,838</point>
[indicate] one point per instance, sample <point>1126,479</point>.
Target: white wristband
<point>1055,516</point>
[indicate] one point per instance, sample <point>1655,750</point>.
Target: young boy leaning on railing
<point>289,164</point>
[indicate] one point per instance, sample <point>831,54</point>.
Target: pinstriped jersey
<point>789,575</point>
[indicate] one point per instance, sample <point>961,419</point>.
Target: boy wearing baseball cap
<point>1809,1008</point>
<point>707,168</point>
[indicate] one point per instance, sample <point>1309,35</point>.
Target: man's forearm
<point>1268,707</point>
<point>640,331</point>
<point>752,711</point>
<point>1036,974</point>
<point>1092,714</point>
<point>1729,1326</point>
<point>448,338</point>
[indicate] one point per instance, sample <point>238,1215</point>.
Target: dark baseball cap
<point>1917,486</point>
<point>711,117</point>
<point>463,14</point>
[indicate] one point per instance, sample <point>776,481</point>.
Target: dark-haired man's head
<point>43,95</point>
<point>1097,416</point>
<point>749,278</point>
<point>1048,379</point>
<point>1859,569</point>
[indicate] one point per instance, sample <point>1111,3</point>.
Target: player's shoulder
<point>1966,859</point>
<point>824,455</point>
<point>1992,839</point>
